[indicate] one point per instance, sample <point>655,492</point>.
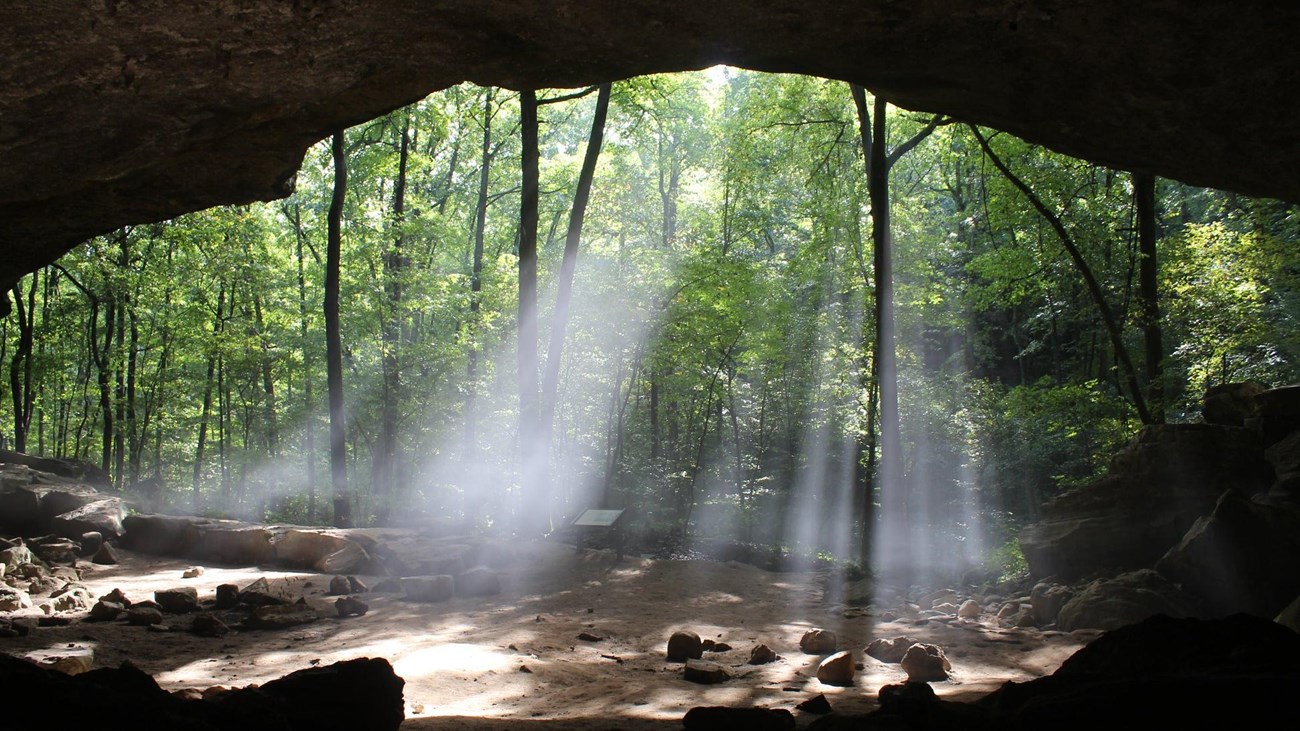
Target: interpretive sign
<point>598,518</point>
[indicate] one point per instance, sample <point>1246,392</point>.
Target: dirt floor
<point>515,660</point>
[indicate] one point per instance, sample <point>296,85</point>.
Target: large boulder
<point>1158,486</point>
<point>331,551</point>
<point>1123,600</point>
<point>1231,404</point>
<point>228,542</point>
<point>103,516</point>
<point>1240,558</point>
<point>160,535</point>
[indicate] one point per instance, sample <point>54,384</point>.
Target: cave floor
<point>515,658</point>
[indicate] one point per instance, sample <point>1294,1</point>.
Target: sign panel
<point>598,518</point>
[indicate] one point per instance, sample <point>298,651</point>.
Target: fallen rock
<point>428,588</point>
<point>339,586</point>
<point>837,669</point>
<point>259,594</point>
<point>90,542</point>
<point>722,718</point>
<point>817,705</point>
<point>192,572</point>
<point>684,645</point>
<point>105,556</point>
<point>1123,600</point>
<point>357,586</point>
<point>350,607</point>
<point>105,611</point>
<point>228,542</point>
<point>350,557</point>
<point>116,595</point>
<point>57,552</point>
<point>178,601</point>
<point>280,616</point>
<point>942,596</point>
<point>209,625</point>
<point>818,642</point>
<point>969,609</point>
<point>103,516</point>
<point>16,556</point>
<point>1046,601</point>
<point>227,596</point>
<point>73,598</point>
<point>304,548</point>
<point>13,600</point>
<point>478,581</point>
<point>704,672</point>
<point>143,616</point>
<point>1231,404</point>
<point>762,655</point>
<point>925,664</point>
<point>69,661</point>
<point>890,650</point>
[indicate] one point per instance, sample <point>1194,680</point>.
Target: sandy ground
<point>466,658</point>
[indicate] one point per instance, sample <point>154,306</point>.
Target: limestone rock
<point>890,650</point>
<point>103,516</point>
<point>704,672</point>
<point>357,586</point>
<point>478,581</point>
<point>762,655</point>
<point>428,588</point>
<point>70,660</point>
<point>722,718</point>
<point>90,542</point>
<point>942,596</point>
<point>192,572</point>
<point>72,598</point>
<point>259,594</point>
<point>350,607</point>
<point>351,557</point>
<point>837,669</point>
<point>209,625</point>
<point>1123,600</point>
<point>1046,601</point>
<point>178,601</point>
<point>13,600</point>
<point>684,645</point>
<point>1231,404</point>
<point>228,542</point>
<point>143,616</point>
<point>819,642</point>
<point>60,552</point>
<point>1232,559</point>
<point>925,664</point>
<point>105,611</point>
<point>280,616</point>
<point>227,596</point>
<point>339,586</point>
<point>105,556</point>
<point>969,609</point>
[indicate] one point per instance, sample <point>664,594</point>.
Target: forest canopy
<point>717,368</point>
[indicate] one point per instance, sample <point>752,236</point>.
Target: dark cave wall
<point>118,112</point>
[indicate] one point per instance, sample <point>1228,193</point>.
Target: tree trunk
<point>201,442</point>
<point>568,267</point>
<point>333,342</point>
<point>20,366</point>
<point>1144,187</point>
<point>535,511</point>
<point>309,404</point>
<point>385,469</point>
<point>472,491</point>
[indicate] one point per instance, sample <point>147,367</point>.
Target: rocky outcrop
<point>1157,487</point>
<point>1123,600</point>
<point>133,112</point>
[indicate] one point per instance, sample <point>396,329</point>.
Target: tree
<point>333,341</point>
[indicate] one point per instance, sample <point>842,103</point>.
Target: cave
<point>120,113</point>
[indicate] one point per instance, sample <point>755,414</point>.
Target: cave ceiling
<point>115,112</point>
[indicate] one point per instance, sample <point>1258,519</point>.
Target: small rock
<point>762,655</point>
<point>64,552</point>
<point>816,705</point>
<point>525,669</point>
<point>259,594</point>
<point>943,596</point>
<point>53,621</point>
<point>350,607</point>
<point>705,673</point>
<point>819,642</point>
<point>902,697</point>
<point>1009,611</point>
<point>589,637</point>
<point>178,601</point>
<point>926,663</point>
<point>158,628</point>
<point>684,645</point>
<point>339,586</point>
<point>73,598</point>
<point>388,586</point>
<point>837,669</point>
<point>478,581</point>
<point>105,611</point>
<point>722,718</point>
<point>143,616</point>
<point>428,588</point>
<point>280,616</point>
<point>105,556</point>
<point>969,609</point>
<point>117,596</point>
<point>90,543</point>
<point>209,625</point>
<point>719,647</point>
<point>192,572</point>
<point>944,608</point>
<point>356,586</point>
<point>12,600</point>
<point>227,596</point>
<point>1025,618</point>
<point>72,661</point>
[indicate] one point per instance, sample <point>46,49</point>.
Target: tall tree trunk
<point>309,404</point>
<point>201,442</point>
<point>385,470</point>
<point>135,442</point>
<point>535,510</point>
<point>104,364</point>
<point>470,453</point>
<point>1144,187</point>
<point>333,341</point>
<point>20,366</point>
<point>568,267</point>
<point>119,396</point>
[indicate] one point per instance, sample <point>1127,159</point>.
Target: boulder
<point>478,581</point>
<point>1240,558</point>
<point>722,718</point>
<point>103,516</point>
<point>1231,404</point>
<point>20,503</point>
<point>69,469</point>
<point>838,669</point>
<point>228,542</point>
<point>704,672</point>
<point>428,588</point>
<point>942,596</point>
<point>762,655</point>
<point>351,557</point>
<point>14,557</point>
<point>178,601</point>
<point>1157,487</point>
<point>105,556</point>
<point>259,594</point>
<point>1276,414</point>
<point>925,664</point>
<point>304,548</point>
<point>1123,600</point>
<point>1046,600</point>
<point>280,616</point>
<point>209,625</point>
<point>160,535</point>
<point>72,598</point>
<point>57,552</point>
<point>684,645</point>
<point>348,606</point>
<point>227,596</point>
<point>13,600</point>
<point>339,586</point>
<point>357,586</point>
<point>105,610</point>
<point>66,660</point>
<point>90,542</point>
<point>969,609</point>
<point>890,650</point>
<point>819,642</point>
<point>143,616</point>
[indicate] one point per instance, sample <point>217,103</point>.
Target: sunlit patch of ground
<point>516,658</point>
